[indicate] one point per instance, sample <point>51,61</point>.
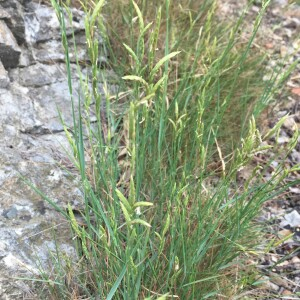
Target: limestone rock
<point>3,13</point>
<point>4,80</point>
<point>33,86</point>
<point>16,18</point>
<point>9,49</point>
<point>37,75</point>
<point>42,24</point>
<point>52,50</point>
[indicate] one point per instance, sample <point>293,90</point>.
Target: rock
<point>9,49</point>
<point>294,190</point>
<point>26,58</point>
<point>281,2</point>
<point>292,23</point>
<point>4,80</point>
<point>268,285</point>
<point>10,213</point>
<point>281,114</point>
<point>52,50</point>
<point>290,124</point>
<point>37,75</point>
<point>295,260</point>
<point>283,139</point>
<point>15,22</point>
<point>292,219</point>
<point>33,85</point>
<point>9,4</point>
<point>42,24</point>
<point>295,155</point>
<point>47,100</point>
<point>279,281</point>
<point>3,13</point>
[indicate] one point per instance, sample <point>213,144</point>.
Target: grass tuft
<point>164,215</point>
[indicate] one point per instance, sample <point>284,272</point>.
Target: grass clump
<point>164,215</point>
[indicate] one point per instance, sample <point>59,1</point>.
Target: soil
<point>279,37</point>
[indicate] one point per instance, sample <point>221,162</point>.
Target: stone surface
<point>9,49</point>
<point>15,22</point>
<point>42,24</point>
<point>4,14</point>
<point>4,79</point>
<point>33,86</point>
<point>292,219</point>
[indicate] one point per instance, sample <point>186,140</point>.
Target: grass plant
<point>164,216</point>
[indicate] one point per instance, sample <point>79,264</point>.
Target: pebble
<point>290,124</point>
<point>11,213</point>
<point>295,260</point>
<point>295,155</point>
<point>268,285</point>
<point>281,2</point>
<point>292,219</point>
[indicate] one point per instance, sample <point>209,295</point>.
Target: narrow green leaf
<point>142,203</point>
<point>140,16</point>
<point>167,225</point>
<point>145,99</point>
<point>139,221</point>
<point>74,223</point>
<point>162,61</point>
<point>201,280</point>
<point>154,39</point>
<point>158,83</point>
<point>145,29</point>
<point>39,192</point>
<point>116,284</point>
<point>272,131</point>
<point>123,199</point>
<point>131,52</point>
<point>132,191</point>
<point>125,212</point>
<point>173,123</point>
<point>96,11</point>
<point>135,78</point>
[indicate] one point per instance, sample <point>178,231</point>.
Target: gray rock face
<point>4,80</point>
<point>33,84</point>
<point>9,49</point>
<point>15,21</point>
<point>37,75</point>
<point>42,24</point>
